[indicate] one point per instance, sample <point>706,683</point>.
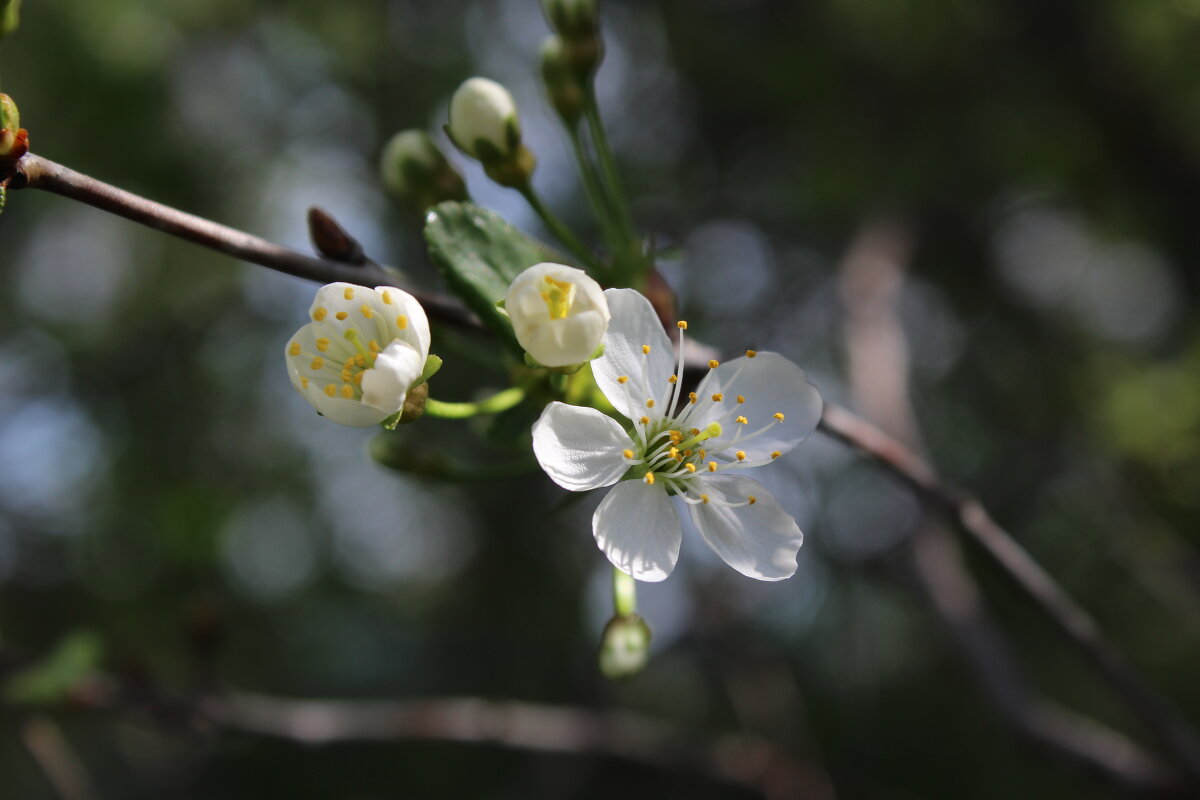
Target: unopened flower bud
<point>10,16</point>
<point>578,24</point>
<point>559,314</point>
<point>12,138</point>
<point>562,85</point>
<point>624,646</point>
<point>416,173</point>
<point>484,124</point>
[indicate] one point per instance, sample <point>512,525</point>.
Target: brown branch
<point>35,172</point>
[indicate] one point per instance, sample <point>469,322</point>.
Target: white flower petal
<point>633,325</point>
<point>579,448</point>
<point>760,540</point>
<point>386,384</point>
<point>396,305</point>
<point>637,528</point>
<point>769,384</point>
<point>352,413</point>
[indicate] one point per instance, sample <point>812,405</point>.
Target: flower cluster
<point>692,447</point>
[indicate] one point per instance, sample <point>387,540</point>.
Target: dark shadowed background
<point>1013,184</point>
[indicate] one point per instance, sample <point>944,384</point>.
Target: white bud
<point>483,120</point>
<point>558,313</point>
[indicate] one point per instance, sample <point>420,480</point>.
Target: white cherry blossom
<point>362,352</point>
<point>744,413</point>
<point>558,313</point>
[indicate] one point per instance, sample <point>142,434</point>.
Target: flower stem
<point>557,226</point>
<point>602,205</point>
<point>624,594</point>
<point>628,262</point>
<point>501,401</point>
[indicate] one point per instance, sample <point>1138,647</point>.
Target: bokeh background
<point>171,510</point>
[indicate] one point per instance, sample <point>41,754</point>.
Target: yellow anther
<point>330,389</point>
<point>776,454</point>
<point>341,315</point>
<point>387,297</point>
<point>374,346</point>
<point>622,379</point>
<point>690,467</point>
<point>303,382</point>
<point>650,403</point>
<point>627,453</point>
<point>718,397</point>
<point>366,310</point>
<point>741,420</point>
<point>741,455</point>
<point>348,293</point>
<point>361,360</point>
<point>712,466</point>
<point>644,420</point>
<point>645,349</point>
<point>674,379</point>
<point>694,431</point>
<point>676,436</point>
<point>702,454</point>
<point>751,353</point>
<point>650,478</point>
<point>319,313</point>
<point>322,344</point>
<point>704,499</point>
<point>673,452</point>
<point>713,364</point>
<point>682,324</point>
<point>558,296</point>
<point>741,399</point>
<point>294,349</point>
<point>358,378</point>
<point>692,397</point>
<point>317,363</point>
<point>347,391</point>
<point>778,415</point>
<point>751,499</point>
<point>401,322</point>
<point>688,453</point>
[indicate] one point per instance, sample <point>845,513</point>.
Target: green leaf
<point>479,254</point>
<point>51,679</point>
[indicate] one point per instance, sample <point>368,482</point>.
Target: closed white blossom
<point>483,120</point>
<point>691,448</point>
<point>558,313</point>
<point>362,352</point>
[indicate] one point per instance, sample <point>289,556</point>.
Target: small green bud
<point>12,138</point>
<point>416,173</point>
<point>10,16</point>
<point>565,91</point>
<point>624,647</point>
<point>484,125</point>
<point>577,23</point>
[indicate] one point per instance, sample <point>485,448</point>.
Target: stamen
<point>741,420</point>
<point>682,324</point>
<point>322,344</point>
<point>319,313</point>
<point>622,378</point>
<point>751,499</point>
<point>644,420</point>
<point>712,466</point>
<point>741,399</point>
<point>317,363</point>
<point>628,454</point>
<point>741,455</point>
<point>348,293</point>
<point>347,391</point>
<point>776,454</point>
<point>650,478</point>
<point>365,309</point>
<point>751,353</point>
<point>374,345</point>
<point>673,380</point>
<point>692,397</point>
<point>694,431</point>
<point>330,389</point>
<point>645,349</point>
<point>294,349</point>
<point>713,364</point>
<point>303,382</point>
<point>778,415</point>
<point>718,397</point>
<point>387,297</point>
<point>690,467</point>
<point>341,315</point>
<point>650,403</point>
<point>674,453</point>
<point>704,499</point>
<point>401,322</point>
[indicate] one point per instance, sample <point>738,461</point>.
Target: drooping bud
<point>559,314</point>
<point>562,85</point>
<point>10,16</point>
<point>485,125</point>
<point>578,23</point>
<point>624,646</point>
<point>416,172</point>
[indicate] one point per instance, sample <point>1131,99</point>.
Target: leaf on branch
<point>479,254</point>
<point>54,677</point>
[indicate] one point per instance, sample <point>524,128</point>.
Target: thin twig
<point>872,278</point>
<point>35,172</point>
<point>52,752</point>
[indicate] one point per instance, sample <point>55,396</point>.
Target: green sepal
<point>432,365</point>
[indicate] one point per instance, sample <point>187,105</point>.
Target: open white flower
<point>744,413</point>
<point>362,352</point>
<point>558,313</point>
